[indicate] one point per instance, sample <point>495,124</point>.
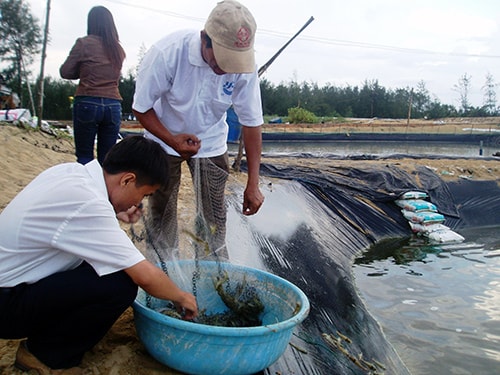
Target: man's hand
<point>252,200</point>
<point>186,145</point>
<point>187,306</point>
<point>132,215</point>
<point>157,283</point>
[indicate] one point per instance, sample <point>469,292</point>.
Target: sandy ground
<point>25,153</point>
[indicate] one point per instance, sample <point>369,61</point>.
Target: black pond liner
<point>359,203</point>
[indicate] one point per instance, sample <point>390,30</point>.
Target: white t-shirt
<point>188,97</point>
<point>60,219</point>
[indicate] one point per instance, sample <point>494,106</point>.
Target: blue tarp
<point>234,132</point>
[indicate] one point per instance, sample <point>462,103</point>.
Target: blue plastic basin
<point>202,349</point>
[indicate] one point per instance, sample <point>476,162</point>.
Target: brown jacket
<point>88,62</point>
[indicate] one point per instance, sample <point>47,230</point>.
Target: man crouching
<point>67,269</point>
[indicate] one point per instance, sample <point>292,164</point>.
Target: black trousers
<point>66,314</point>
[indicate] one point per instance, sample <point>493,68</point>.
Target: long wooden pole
<point>264,67</point>
<point>409,110</point>
<point>42,67</point>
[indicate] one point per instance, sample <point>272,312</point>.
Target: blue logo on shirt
<point>228,88</point>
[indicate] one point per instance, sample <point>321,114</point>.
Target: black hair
<point>100,22</point>
<point>142,156</point>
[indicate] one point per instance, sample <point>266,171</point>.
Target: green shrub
<point>298,115</point>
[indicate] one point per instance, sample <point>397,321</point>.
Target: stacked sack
<point>424,218</point>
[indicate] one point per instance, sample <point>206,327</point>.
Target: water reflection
<point>439,304</point>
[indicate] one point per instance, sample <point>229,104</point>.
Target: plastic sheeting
<point>312,226</point>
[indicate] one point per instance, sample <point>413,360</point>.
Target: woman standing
<point>96,60</point>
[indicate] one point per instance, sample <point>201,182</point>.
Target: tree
<point>421,100</point>
<point>463,88</point>
<point>127,89</point>
<point>490,96</point>
<point>57,102</point>
<point>399,103</point>
<point>437,110</point>
<point>373,96</point>
<point>270,102</point>
<point>21,38</point>
<point>142,52</point>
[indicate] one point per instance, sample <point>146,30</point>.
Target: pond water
<point>438,305</point>
<point>344,148</point>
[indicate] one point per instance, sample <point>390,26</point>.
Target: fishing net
<point>198,232</point>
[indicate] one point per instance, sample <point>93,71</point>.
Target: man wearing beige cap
<point>185,84</point>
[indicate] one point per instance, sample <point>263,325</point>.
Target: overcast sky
<point>397,42</point>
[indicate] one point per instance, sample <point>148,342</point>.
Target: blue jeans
<point>93,116</point>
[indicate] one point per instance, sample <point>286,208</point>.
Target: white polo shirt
<point>60,219</point>
<point>188,97</point>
